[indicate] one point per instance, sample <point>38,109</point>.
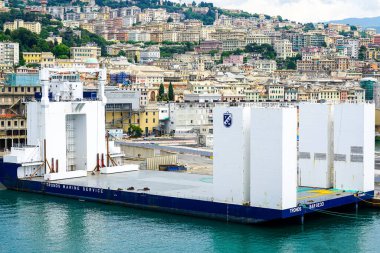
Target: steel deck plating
<point>180,185</point>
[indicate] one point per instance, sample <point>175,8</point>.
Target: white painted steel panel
<point>49,122</point>
<point>119,169</point>
<point>65,175</point>
<point>354,136</point>
<point>274,158</point>
<point>231,155</point>
<point>315,145</point>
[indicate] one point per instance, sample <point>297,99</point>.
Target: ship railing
<point>69,100</point>
<point>23,145</point>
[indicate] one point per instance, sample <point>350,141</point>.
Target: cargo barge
<point>257,177</point>
<point>178,193</point>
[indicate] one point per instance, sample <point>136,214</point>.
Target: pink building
<point>209,45</point>
<point>234,59</point>
<point>376,39</point>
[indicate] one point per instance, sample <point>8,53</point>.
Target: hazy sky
<point>305,10</point>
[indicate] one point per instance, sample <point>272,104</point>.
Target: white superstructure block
<point>74,132</point>
<point>354,137</point>
<point>273,158</point>
<point>316,150</point>
<point>231,154</point>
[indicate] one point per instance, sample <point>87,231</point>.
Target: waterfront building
<point>120,104</point>
<point>185,117</point>
<point>147,119</point>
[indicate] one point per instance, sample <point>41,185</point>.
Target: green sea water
<point>37,223</point>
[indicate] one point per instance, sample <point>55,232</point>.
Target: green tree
<point>266,50</point>
<point>170,20</point>
<point>121,53</point>
<point>135,131</point>
<point>161,92</point>
<point>63,57</point>
<point>288,63</point>
<point>61,50</point>
<point>362,53</point>
<point>308,26</point>
<point>213,52</point>
<point>171,92</point>
<point>21,61</point>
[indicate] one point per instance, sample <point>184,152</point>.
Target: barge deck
<point>182,193</point>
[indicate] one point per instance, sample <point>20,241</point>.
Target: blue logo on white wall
<point>227,119</point>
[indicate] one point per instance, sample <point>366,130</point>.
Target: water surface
<point>37,223</point>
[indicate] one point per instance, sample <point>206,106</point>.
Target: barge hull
<point>177,205</point>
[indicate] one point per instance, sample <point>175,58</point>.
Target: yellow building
<point>121,116</point>
<point>377,122</point>
<point>147,119</point>
<point>32,57</point>
<point>19,23</point>
<point>330,95</point>
<point>118,119</point>
<point>46,59</point>
<point>373,53</point>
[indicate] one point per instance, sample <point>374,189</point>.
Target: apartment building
<point>150,54</point>
<point>19,23</point>
<point>189,35</point>
<point>137,35</point>
<point>258,39</point>
<point>85,52</point>
<point>9,53</point>
<point>268,66</point>
<point>147,119</point>
<point>186,117</point>
<point>283,49</point>
<point>45,59</point>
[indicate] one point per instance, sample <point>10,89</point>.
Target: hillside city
<point>170,64</point>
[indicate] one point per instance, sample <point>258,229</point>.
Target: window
<point>22,123</point>
<point>146,120</point>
